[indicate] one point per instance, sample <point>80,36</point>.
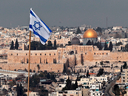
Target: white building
<point>66,93</point>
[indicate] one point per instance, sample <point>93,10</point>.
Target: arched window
<point>46,61</point>
<point>54,61</point>
<point>27,61</point>
<point>71,52</point>
<point>40,60</point>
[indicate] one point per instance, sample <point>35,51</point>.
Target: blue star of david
<point>37,25</point>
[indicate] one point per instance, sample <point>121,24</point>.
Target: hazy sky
<point>65,12</point>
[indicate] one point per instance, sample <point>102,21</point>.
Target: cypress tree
<point>55,44</point>
<point>16,44</point>
<point>78,31</point>
<point>87,75</point>
<point>12,45</point>
<point>68,84</point>
<point>121,69</point>
<point>76,84</point>
<point>100,46</point>
<point>110,46</point>
<point>106,46</point>
<point>19,90</point>
<point>125,35</point>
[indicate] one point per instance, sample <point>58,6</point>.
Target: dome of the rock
<point>90,33</point>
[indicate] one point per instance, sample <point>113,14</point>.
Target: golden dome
<point>90,33</point>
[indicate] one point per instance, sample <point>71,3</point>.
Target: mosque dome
<point>75,41</point>
<point>90,33</point>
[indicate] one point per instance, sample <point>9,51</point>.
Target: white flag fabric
<point>38,27</point>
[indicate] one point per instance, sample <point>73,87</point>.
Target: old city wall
<point>102,55</point>
<point>37,57</point>
<point>119,56</point>
<point>43,67</point>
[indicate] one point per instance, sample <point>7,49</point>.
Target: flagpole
<point>29,60</point>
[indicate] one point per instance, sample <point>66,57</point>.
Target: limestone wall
<point>37,57</point>
<point>43,67</point>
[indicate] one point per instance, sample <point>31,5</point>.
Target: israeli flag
<point>38,27</point>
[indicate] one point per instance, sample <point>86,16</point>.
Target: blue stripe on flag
<point>41,38</point>
<point>46,26</point>
<point>32,13</point>
<point>30,26</point>
<point>36,33</point>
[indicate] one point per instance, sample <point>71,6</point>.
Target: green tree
<point>12,83</point>
<point>55,44</point>
<point>16,44</point>
<point>48,76</point>
<point>125,65</point>
<point>126,47</point>
<point>40,46</point>
<point>110,46</point>
<point>87,74</point>
<point>34,45</point>
<point>34,81</point>
<point>101,63</point>
<point>19,90</point>
<point>98,44</point>
<point>69,43</point>
<point>103,83</point>
<point>121,69</point>
<point>100,72</point>
<point>68,84</point>
<point>98,29</point>
<point>105,46</point>
<point>118,44</point>
<point>116,90</point>
<point>4,91</point>
<point>126,35</point>
<point>12,46</point>
<point>78,31</point>
<point>76,84</point>
<point>49,46</point>
<point>85,29</point>
<point>38,66</point>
